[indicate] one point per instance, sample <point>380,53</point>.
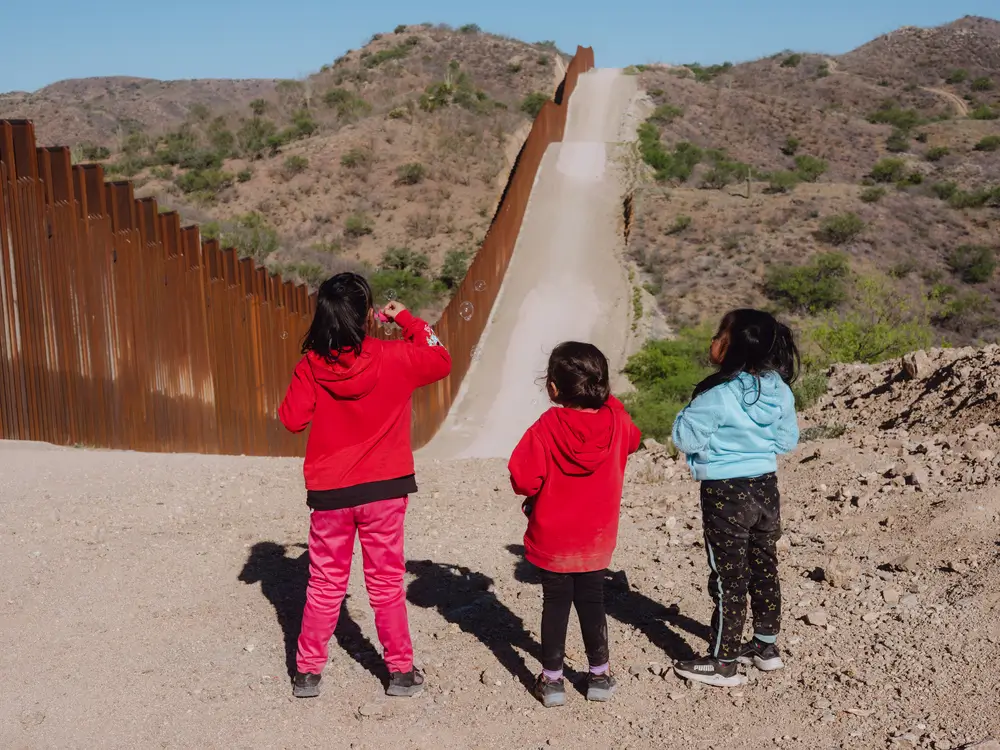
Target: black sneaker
<point>600,687</point>
<point>306,685</point>
<point>550,692</point>
<point>764,656</point>
<point>405,684</point>
<point>710,672</point>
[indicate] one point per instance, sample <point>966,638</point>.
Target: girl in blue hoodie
<point>740,418</point>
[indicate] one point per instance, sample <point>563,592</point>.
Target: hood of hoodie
<point>761,398</point>
<point>350,377</point>
<point>581,441</point>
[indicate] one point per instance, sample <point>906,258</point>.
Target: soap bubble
<point>480,286</point>
<point>465,310</point>
<point>534,402</point>
<point>477,353</point>
<point>284,335</point>
<point>390,295</point>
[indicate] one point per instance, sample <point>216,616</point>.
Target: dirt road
<point>565,280</point>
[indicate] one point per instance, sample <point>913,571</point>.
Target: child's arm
<point>296,411</point>
<point>634,434</point>
<point>787,432</point>
<point>698,421</point>
<point>527,466</point>
<point>429,360</point>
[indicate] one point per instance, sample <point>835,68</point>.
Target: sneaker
<point>306,685</point>
<point>550,692</point>
<point>600,687</point>
<point>710,672</point>
<point>764,656</point>
<point>405,684</point>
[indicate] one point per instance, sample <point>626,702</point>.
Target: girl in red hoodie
<point>356,392</point>
<point>570,465</point>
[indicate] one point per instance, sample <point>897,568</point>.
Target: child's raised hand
<point>393,309</point>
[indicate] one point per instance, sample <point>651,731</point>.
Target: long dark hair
<point>341,320</point>
<point>580,374</point>
<point>757,343</point>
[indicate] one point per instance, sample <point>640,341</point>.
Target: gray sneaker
<point>406,684</point>
<point>600,687</point>
<point>765,656</point>
<point>550,692</point>
<point>306,685</point>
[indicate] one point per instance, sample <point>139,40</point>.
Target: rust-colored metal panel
<point>120,329</point>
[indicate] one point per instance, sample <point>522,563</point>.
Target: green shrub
<point>356,157</point>
<point>296,165</point>
<point>165,172</point>
<point>881,324</point>
<point>892,114</point>
<point>456,263</point>
<point>967,313</point>
<point>989,143</point>
<point>898,142</point>
<point>841,229</point>
<point>411,174</point>
<point>821,432</point>
<point>244,175</point>
<point>984,112</point>
<point>937,153</point>
<point>469,28</point>
<point>982,84</point>
<point>889,170</point>
<point>668,165</point>
<point>704,74</point>
<point>401,29</point>
<point>382,56</point>
<point>404,259</point>
<point>812,287</point>
<point>680,224</point>
<point>358,225</point>
<point>724,171</point>
<point>973,264</point>
<point>782,182</point>
<point>945,190</point>
<point>666,113</point>
<point>249,234</point>
<point>791,146</point>
<point>823,71</point>
<point>664,374</point>
<point>93,152</point>
<point>416,292</point>
<point>258,107</point>
<point>253,136</point>
<point>809,168</point>
<point>975,198</point>
<point>792,61</point>
<point>872,194</point>
<point>349,106</point>
<point>208,181</point>
<point>809,389</point>
<point>532,104</point>
<point>957,76</point>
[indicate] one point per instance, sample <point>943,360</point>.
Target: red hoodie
<point>572,464</point>
<point>360,408</point>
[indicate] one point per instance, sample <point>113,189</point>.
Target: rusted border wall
<point>121,329</point>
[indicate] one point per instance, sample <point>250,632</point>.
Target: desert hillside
<point>392,157</point>
<point>875,170</point>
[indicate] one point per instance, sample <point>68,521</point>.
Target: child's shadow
<point>629,607</point>
<point>465,597</point>
<point>283,581</point>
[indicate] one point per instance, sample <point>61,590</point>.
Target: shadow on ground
<point>283,581</point>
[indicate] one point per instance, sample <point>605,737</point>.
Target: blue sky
<point>46,42</point>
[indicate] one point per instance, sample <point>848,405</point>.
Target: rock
<point>370,709</point>
<point>906,740</point>
<point>841,572</point>
<point>905,563</point>
<point>956,566</point>
<point>635,670</point>
<point>491,678</point>
<point>891,596</point>
<point>783,544</point>
<point>249,648</point>
<point>818,619</point>
<point>653,445</point>
<point>917,365</point>
<point>987,744</point>
<point>822,704</point>
<point>676,696</point>
<point>909,602</point>
<point>871,617</point>
<point>918,477</point>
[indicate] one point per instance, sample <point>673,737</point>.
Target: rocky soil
<point>148,600</point>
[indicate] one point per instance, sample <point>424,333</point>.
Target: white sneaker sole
<point>764,665</point>
<point>715,680</point>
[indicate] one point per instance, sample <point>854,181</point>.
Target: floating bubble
<point>284,335</point>
<point>465,310</point>
<point>477,352</point>
<point>480,286</point>
<point>390,295</point>
<point>534,402</point>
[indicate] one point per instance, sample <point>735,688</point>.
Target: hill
<point>875,178</point>
<point>392,157</point>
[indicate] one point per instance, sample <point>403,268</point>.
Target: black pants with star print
<point>742,521</point>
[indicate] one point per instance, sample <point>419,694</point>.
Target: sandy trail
<point>565,281</point>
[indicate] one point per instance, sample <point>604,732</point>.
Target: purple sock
<point>603,669</point>
<point>552,674</point>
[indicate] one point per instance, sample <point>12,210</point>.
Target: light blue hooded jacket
<point>734,431</point>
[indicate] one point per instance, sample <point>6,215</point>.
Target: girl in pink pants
<point>356,392</point>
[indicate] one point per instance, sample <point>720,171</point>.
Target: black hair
<point>341,320</point>
<point>756,343</point>
<point>580,374</point>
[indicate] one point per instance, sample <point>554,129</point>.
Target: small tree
<point>792,61</point>
<point>411,174</point>
<point>782,182</point>
<point>841,229</point>
<point>258,107</point>
<point>296,165</point>
<point>872,194</point>
<point>813,287</point>
<point>809,168</point>
<point>532,104</point>
<point>889,170</point>
<point>937,153</point>
<point>957,76</point>
<point>982,84</point>
<point>453,270</point>
<point>358,225</point>
<point>989,143</point>
<point>898,142</point>
<point>791,146</point>
<point>973,264</point>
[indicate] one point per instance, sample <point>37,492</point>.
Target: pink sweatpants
<point>331,545</point>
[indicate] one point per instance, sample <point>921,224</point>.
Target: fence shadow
<point>283,582</point>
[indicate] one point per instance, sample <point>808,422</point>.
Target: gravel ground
<point>149,600</point>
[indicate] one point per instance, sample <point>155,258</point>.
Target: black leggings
<point>560,592</point>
